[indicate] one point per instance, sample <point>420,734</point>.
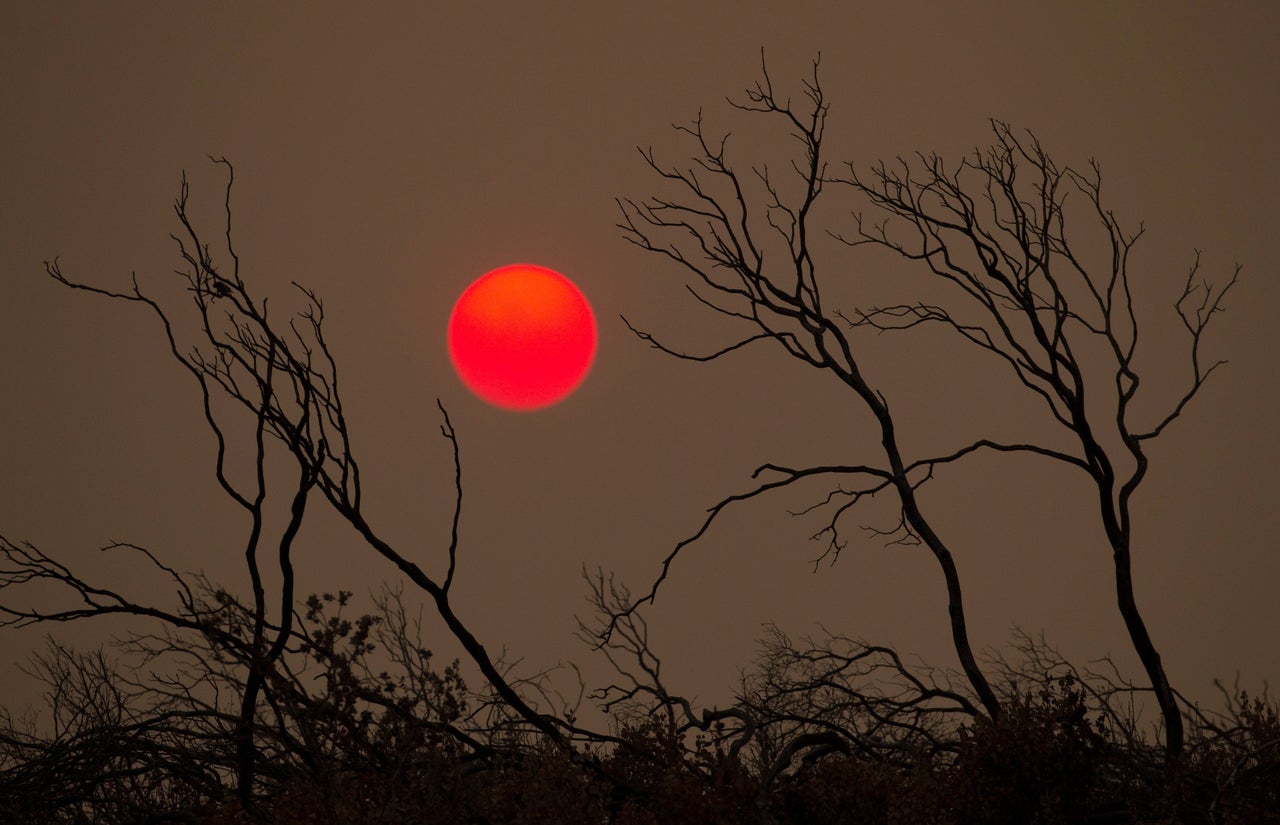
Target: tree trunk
<point>1173,733</point>
<point>955,604</point>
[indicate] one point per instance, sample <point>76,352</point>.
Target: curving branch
<point>991,228</point>
<point>749,253</point>
<point>282,379</point>
<point>1032,299</point>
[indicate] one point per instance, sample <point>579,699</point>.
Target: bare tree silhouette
<point>283,379</point>
<point>991,230</point>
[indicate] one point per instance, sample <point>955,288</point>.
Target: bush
<point>1040,761</point>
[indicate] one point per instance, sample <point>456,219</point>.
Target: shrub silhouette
<point>363,728</point>
<point>1041,761</point>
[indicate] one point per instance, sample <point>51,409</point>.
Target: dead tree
<point>283,379</point>
<point>993,228</point>
<point>717,231</point>
<point>991,231</point>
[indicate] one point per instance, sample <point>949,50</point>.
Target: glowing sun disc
<point>522,337</point>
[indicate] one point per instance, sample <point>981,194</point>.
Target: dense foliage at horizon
<point>360,727</point>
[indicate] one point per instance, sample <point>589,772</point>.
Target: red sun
<point>522,337</point>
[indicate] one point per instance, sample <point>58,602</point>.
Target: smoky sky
<point>388,157</point>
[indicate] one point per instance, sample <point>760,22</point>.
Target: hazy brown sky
<point>386,158</point>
